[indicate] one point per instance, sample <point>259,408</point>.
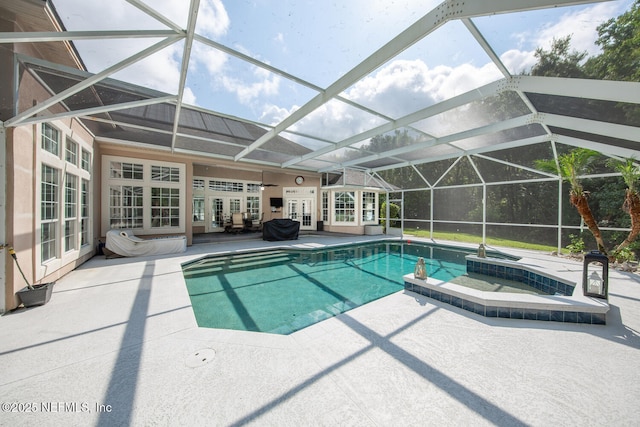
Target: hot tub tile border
<point>578,313</point>
<point>495,267</point>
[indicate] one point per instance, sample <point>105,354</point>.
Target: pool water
<point>286,290</point>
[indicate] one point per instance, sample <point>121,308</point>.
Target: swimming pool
<point>282,291</point>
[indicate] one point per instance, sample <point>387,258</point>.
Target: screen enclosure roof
<point>388,88</point>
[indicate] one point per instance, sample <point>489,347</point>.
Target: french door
<point>302,210</point>
<point>219,210</point>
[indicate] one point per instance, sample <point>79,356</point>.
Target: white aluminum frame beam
<point>186,55</point>
<point>485,149</point>
<point>604,90</point>
<point>50,36</point>
<point>448,139</point>
<point>16,120</point>
<point>441,107</point>
<point>97,110</point>
<point>445,12</point>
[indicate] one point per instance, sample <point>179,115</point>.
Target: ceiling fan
<point>263,185</point>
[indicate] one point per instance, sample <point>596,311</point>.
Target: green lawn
<point>470,238</point>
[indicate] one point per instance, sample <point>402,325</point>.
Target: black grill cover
<point>280,229</point>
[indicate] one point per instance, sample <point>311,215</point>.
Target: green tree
<point>570,167</point>
<point>631,175</point>
<point>394,212</point>
<point>559,61</point>
<point>619,39</point>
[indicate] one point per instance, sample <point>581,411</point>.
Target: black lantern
<point>595,275</point>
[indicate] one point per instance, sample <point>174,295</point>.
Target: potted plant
<point>32,295</point>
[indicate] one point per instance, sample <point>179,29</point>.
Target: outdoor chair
<point>237,222</point>
<point>256,224</point>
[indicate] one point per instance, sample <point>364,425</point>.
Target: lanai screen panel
<point>446,73</point>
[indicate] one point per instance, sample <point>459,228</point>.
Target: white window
<point>325,206</point>
<point>71,152</point>
<point>228,186</point>
<point>49,212</point>
<point>198,208</point>
<point>198,184</point>
<point>253,207</point>
<point>70,211</point>
<point>50,139</point>
<point>84,213</point>
<point>165,173</point>
<point>369,207</point>
<point>86,160</point>
<point>253,188</point>
<point>165,207</point>
<point>344,207</point>
<point>64,216</point>
<point>124,170</point>
<point>126,206</point>
<point>145,195</point>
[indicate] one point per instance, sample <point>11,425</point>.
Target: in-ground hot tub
<point>564,302</point>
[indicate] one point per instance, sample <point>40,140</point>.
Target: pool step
<point>233,263</point>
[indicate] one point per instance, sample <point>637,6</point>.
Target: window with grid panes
<point>49,218</point>
<point>70,211</point>
<point>125,170</point>
<point>165,207</point>
<point>126,206</point>
<point>325,206</point>
<point>84,212</point>
<point>345,206</point>
<point>71,152</point>
<point>368,206</point>
<point>50,139</point>
<point>86,160</point>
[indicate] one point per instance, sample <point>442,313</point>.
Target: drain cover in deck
<point>200,358</point>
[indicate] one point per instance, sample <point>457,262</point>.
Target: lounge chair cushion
<point>125,243</point>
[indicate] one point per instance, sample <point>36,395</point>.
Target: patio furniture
<point>256,224</point>
<point>125,243</point>
<point>280,229</point>
<point>237,222</point>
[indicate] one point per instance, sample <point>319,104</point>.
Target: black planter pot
<point>39,295</point>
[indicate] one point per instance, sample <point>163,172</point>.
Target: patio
<point>118,345</point>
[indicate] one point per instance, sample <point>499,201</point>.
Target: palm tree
<point>631,175</point>
<point>570,167</point>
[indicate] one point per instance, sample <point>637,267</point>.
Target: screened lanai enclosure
<point>443,102</point>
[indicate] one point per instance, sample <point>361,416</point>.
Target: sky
<point>319,41</point>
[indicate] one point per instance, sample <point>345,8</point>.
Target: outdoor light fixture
<point>595,275</point>
<point>420,272</point>
<point>482,252</point>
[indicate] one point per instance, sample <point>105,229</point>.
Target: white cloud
<point>397,89</point>
<point>265,84</point>
<point>273,114</point>
<point>213,19</point>
<point>404,86</point>
<point>580,25</point>
<point>212,59</point>
<point>160,71</point>
<point>188,96</point>
<point>517,61</point>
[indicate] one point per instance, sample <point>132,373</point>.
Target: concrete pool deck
<point>118,345</point>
